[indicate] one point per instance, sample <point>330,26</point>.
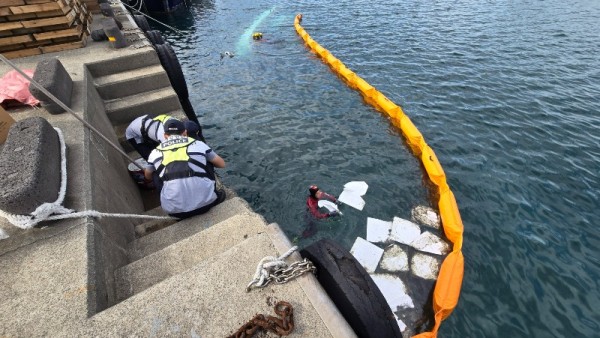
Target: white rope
<point>266,266</point>
<point>55,211</point>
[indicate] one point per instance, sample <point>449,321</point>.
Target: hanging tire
<point>141,22</point>
<point>189,111</point>
<point>170,63</point>
<point>155,37</point>
<point>352,290</point>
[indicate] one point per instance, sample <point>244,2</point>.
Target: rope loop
<point>267,265</point>
<point>55,210</point>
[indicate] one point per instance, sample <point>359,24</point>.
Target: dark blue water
<point>507,93</point>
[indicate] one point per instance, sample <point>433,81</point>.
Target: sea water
<point>507,93</point>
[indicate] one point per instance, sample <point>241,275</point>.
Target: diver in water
<point>312,203</point>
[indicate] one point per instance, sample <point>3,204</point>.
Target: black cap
<point>192,128</point>
<point>174,127</point>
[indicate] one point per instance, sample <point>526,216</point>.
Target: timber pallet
<point>92,5</point>
<point>31,27</point>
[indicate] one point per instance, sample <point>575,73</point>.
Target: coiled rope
<point>266,266</point>
<point>55,211</point>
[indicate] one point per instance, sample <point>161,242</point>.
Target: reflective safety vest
<point>153,122</point>
<point>176,160</point>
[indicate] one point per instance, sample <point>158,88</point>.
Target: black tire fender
<point>141,22</point>
<point>155,37</point>
<point>352,290</point>
<point>188,109</point>
<point>170,63</point>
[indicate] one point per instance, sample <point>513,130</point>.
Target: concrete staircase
<point>134,85</point>
<point>177,255</point>
<point>190,279</point>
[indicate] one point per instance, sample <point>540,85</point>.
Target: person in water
<point>312,202</point>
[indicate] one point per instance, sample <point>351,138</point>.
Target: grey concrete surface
<point>329,313</point>
<point>52,76</point>
<point>144,57</point>
<point>30,166</point>
<point>58,279</point>
<point>183,229</point>
<point>132,82</point>
<point>97,175</point>
<point>44,287</point>
<point>178,257</point>
<point>158,101</point>
<point>208,300</point>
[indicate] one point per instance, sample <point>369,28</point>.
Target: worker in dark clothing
<point>145,133</point>
<point>194,130</point>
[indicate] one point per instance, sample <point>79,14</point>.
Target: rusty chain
<point>282,326</point>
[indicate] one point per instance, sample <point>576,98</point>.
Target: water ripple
<point>505,92</point>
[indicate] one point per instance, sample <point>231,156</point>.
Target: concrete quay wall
<point>60,273</point>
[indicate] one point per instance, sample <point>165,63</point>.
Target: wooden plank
<point>5,11</point>
<point>7,3</point>
<point>37,43</point>
<point>75,31</point>
<point>64,46</point>
<point>19,17</point>
<point>11,48</point>
<point>6,26</point>
<point>50,14</point>
<point>67,19</point>
<point>35,8</point>
<point>22,53</point>
<point>24,31</point>
<point>37,2</point>
<point>55,28</point>
<point>15,39</point>
<point>65,40</point>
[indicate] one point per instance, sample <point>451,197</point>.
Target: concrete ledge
<point>186,228</point>
<point>208,300</point>
<point>52,75</point>
<point>178,257</point>
<point>30,166</point>
<point>329,313</point>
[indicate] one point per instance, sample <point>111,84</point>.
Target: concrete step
<point>152,226</point>
<point>176,258</point>
<point>131,82</point>
<point>123,63</point>
<point>207,300</point>
<point>120,130</point>
<point>161,239</point>
<point>124,110</point>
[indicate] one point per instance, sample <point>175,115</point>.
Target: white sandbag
<point>404,231</point>
<point>378,231</point>
<point>367,254</point>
